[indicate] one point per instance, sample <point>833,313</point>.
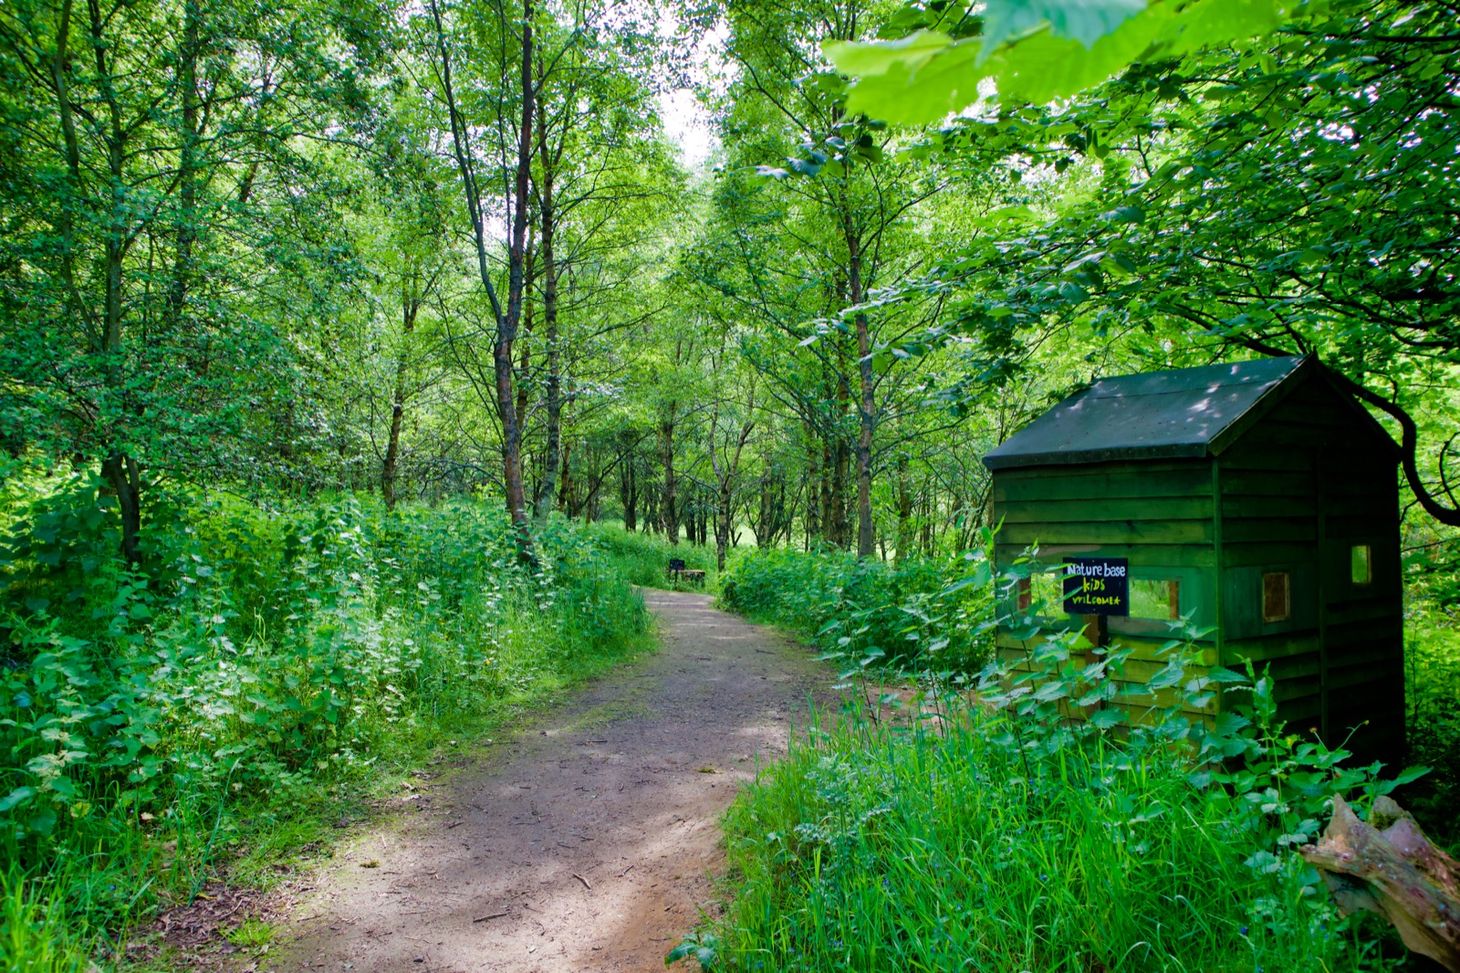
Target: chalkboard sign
<point>1097,586</point>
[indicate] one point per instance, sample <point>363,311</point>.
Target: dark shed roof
<point>1187,412</point>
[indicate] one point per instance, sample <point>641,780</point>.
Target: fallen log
<point>1388,866</point>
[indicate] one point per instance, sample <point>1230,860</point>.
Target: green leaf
<point>879,57</point>
<point>15,797</point>
<point>1229,723</point>
<point>1210,22</point>
<point>915,92</point>
<point>1409,775</point>
<point>1035,50</point>
<point>1085,21</point>
<point>1125,214</point>
<point>1168,676</point>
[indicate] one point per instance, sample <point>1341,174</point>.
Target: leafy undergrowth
<point>643,559</point>
<point>873,847</point>
<point>934,612</point>
<point>1432,657</point>
<point>997,835</point>
<point>271,665</point>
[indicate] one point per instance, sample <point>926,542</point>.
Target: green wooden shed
<point>1259,499</point>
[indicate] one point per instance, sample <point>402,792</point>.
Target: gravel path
<point>585,843</point>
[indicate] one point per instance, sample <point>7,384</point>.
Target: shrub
<point>269,651</point>
<point>643,559</point>
<point>994,833</point>
<point>918,612</point>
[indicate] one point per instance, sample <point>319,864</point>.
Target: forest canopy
<point>358,359</point>
<point>433,249</point>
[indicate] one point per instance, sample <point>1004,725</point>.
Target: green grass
<point>877,848</point>
<point>1432,656</point>
<point>643,559</point>
<point>34,937</point>
<point>273,667</point>
<point>1007,838</point>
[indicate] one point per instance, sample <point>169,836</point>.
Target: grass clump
<point>914,612</point>
<point>269,663</point>
<point>983,829</point>
<point>643,559</point>
<point>875,847</point>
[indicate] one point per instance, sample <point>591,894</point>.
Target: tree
<point>515,157</point>
<point>149,145</point>
<point>1295,195</point>
<point>848,204</point>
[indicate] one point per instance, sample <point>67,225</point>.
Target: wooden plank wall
<point>1269,523</point>
<point>1294,494</point>
<point>1364,623</point>
<point>1297,492</point>
<point>1157,514</point>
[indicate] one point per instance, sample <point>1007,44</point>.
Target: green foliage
<point>917,613</point>
<point>1432,660</point>
<point>33,932</point>
<point>283,650</point>
<point>999,834</point>
<point>1031,51</point>
<point>643,559</point>
<point>874,848</point>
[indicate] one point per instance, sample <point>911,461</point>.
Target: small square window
<point>1361,564</point>
<point>1155,599</point>
<point>1043,591</point>
<point>1277,596</point>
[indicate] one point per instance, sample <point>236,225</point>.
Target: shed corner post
<point>1219,637</point>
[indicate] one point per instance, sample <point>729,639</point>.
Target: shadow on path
<point>588,843</point>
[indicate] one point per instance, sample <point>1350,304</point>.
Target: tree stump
<point>1388,866</point>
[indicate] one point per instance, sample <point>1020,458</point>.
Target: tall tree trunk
<point>866,415</point>
<point>595,484</point>
<point>389,468</point>
<point>629,493</point>
<point>117,469</point>
<point>668,511</point>
<point>723,515</point>
<point>765,521</point>
<point>120,470</point>
<point>904,511</point>
<point>516,279</point>
<point>565,482</point>
<point>840,474</point>
<point>827,491</point>
<point>507,318</point>
<point>187,174</point>
<point>815,480</point>
<point>550,324</point>
<point>927,526</point>
<point>524,354</point>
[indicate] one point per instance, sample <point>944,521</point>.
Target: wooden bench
<point>678,572</point>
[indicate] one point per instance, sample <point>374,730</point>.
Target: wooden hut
<point>1258,499</point>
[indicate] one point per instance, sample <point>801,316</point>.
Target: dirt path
<point>588,843</point>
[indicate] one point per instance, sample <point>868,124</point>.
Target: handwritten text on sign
<point>1097,585</point>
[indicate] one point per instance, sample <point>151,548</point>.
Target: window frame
<point>1270,616</point>
<point>1367,562</point>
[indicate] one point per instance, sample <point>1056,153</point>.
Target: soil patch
<point>587,842</point>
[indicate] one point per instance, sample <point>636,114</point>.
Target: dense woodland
<point>428,252</point>
<point>323,321</point>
